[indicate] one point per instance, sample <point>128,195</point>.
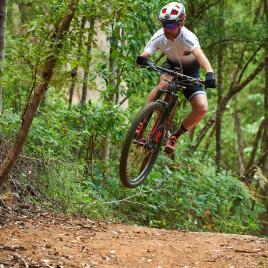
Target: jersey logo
<point>187,53</point>
<point>189,42</point>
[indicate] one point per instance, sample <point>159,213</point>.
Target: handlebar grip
<point>151,65</point>
<point>142,61</point>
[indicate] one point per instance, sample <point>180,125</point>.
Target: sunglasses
<point>170,26</point>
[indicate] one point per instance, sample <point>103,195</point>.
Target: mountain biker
<point>182,49</point>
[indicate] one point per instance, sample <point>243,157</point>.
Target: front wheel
<point>142,145</point>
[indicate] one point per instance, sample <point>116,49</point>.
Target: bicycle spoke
<point>142,145</point>
<point>141,148</point>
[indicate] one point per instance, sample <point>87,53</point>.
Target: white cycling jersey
<point>178,51</point>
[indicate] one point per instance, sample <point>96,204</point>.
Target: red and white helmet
<point>172,12</point>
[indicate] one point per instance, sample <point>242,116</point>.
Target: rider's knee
<point>164,79</point>
<point>163,85</point>
<point>201,110</point>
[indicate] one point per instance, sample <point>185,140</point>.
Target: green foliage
<point>185,194</point>
<point>72,176</point>
<point>58,133</point>
<point>192,197</point>
<point>60,187</point>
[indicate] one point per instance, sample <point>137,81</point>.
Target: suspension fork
<point>156,98</point>
<point>155,126</point>
<point>171,111</point>
<point>170,104</point>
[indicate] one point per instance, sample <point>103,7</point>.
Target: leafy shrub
<point>188,195</point>
<point>184,194</point>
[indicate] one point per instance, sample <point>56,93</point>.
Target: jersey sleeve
<point>154,44</point>
<point>191,41</point>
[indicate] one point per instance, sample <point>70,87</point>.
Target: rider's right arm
<point>155,42</point>
<point>145,54</point>
<point>153,45</point>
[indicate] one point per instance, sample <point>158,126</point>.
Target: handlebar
<point>152,66</point>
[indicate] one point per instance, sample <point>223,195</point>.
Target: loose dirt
<point>44,240</point>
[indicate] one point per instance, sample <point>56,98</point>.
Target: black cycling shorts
<point>191,69</point>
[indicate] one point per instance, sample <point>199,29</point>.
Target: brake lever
<point>178,69</point>
<point>151,65</point>
<point>178,74</point>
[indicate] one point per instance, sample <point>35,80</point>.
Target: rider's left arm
<point>202,59</point>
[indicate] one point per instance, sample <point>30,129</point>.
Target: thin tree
<point>218,122</point>
<point>75,69</point>
<point>86,73</point>
<point>112,82</point>
<point>38,92</point>
<point>240,142</point>
<point>255,146</point>
<point>265,134</point>
<point>3,19</point>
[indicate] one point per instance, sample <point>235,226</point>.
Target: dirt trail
<point>47,241</point>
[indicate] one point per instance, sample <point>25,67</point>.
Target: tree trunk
<point>74,70</point>
<point>255,145</point>
<point>40,89</point>
<point>3,19</point>
<point>89,47</point>
<point>21,5</point>
<point>219,112</point>
<point>106,147</point>
<point>210,136</point>
<point>90,159</point>
<point>265,141</point>
<point>71,90</point>
<point>112,96</point>
<point>240,142</point>
<point>265,134</point>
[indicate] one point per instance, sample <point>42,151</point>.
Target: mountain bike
<point>150,128</point>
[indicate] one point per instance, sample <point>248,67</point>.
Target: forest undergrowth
<point>57,171</point>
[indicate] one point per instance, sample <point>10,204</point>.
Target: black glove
<point>142,60</point>
<point>210,81</point>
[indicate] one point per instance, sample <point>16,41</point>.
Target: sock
<point>178,132</point>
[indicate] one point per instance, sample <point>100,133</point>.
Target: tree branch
<point>240,86</point>
<point>248,62</point>
<point>227,40</point>
<point>202,134</point>
<point>255,145</point>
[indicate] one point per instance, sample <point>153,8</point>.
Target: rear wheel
<point>142,145</point>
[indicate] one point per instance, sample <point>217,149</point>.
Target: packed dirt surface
<point>47,241</point>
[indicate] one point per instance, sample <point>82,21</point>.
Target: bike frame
<point>158,114</point>
<point>170,101</point>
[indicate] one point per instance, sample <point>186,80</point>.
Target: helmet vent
<point>172,12</point>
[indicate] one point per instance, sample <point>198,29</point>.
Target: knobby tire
<point>146,165</point>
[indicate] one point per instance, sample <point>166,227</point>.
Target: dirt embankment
<point>46,241</point>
